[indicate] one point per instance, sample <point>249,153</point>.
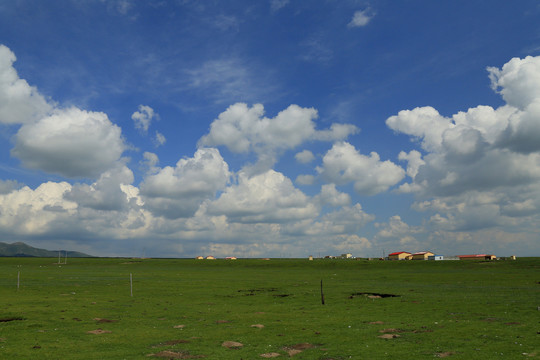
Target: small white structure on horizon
<point>435,257</point>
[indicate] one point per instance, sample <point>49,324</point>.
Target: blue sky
<point>270,128</point>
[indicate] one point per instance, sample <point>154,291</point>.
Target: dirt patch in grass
<point>297,348</point>
<point>11,318</point>
<point>98,332</point>
<point>391,330</point>
<point>270,355</point>
<point>372,295</point>
<point>232,344</point>
<point>171,343</point>
<point>389,336</point>
<point>258,326</point>
<point>102,320</point>
<point>176,355</point>
<point>444,354</point>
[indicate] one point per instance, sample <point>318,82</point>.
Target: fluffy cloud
<point>143,118</point>
<point>331,196</point>
<point>414,161</point>
<point>480,167</point>
<point>71,143</point>
<point>31,212</point>
<point>265,198</point>
<point>344,221</point>
<point>106,193</point>
<point>343,164</point>
<point>176,192</point>
<point>517,81</point>
<point>423,123</point>
<point>19,102</point>
<point>242,129</point>
<point>304,157</point>
<point>351,243</point>
<point>160,139</point>
<point>361,18</point>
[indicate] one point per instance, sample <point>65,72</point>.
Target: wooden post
<point>322,294</point>
<point>131,284</point>
<point>18,279</point>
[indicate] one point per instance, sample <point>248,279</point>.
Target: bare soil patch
<point>176,355</point>
<point>444,354</point>
<point>172,342</point>
<point>98,332</point>
<point>391,330</point>
<point>389,336</point>
<point>258,326</point>
<point>297,348</point>
<point>232,344</point>
<point>102,320</point>
<point>270,355</point>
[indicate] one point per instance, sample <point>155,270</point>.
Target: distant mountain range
<point>20,249</point>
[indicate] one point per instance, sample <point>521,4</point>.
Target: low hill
<point>20,249</point>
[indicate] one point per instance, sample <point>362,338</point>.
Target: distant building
<point>436,257</point>
<point>230,258</point>
<point>210,258</point>
<point>422,255</point>
<point>346,256</point>
<point>199,258</point>
<point>400,255</point>
<point>310,258</point>
<point>477,257</point>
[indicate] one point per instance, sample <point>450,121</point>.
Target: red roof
<point>422,253</point>
<point>399,252</point>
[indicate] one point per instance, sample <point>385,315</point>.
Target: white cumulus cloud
<point>19,102</point>
<point>177,192</point>
<point>242,129</point>
<point>143,118</point>
<point>70,142</point>
<point>343,164</point>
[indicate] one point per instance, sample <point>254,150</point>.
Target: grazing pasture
<point>254,309</point>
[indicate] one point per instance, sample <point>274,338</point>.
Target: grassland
<point>187,309</point>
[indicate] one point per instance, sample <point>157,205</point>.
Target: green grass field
<point>187,309</point>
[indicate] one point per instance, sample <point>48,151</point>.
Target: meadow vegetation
<point>254,309</point>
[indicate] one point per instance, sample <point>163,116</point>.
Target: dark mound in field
<point>372,295</point>
<point>11,318</point>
